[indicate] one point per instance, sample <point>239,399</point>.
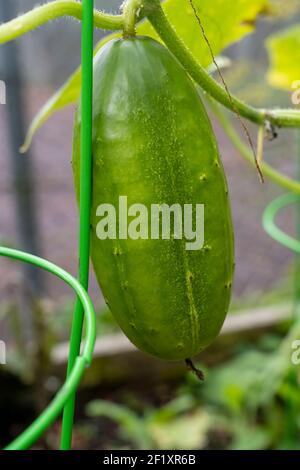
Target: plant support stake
<point>85,204</point>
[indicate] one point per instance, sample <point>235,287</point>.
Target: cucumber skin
<point>153,142</point>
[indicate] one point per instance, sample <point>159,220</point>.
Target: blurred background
<point>250,399</point>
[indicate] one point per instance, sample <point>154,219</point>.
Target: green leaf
<point>224,22</point>
<point>187,431</point>
<point>248,381</point>
<point>67,95</point>
<point>284,52</point>
<point>132,427</point>
<point>250,438</point>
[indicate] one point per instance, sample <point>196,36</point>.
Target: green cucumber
<point>154,144</point>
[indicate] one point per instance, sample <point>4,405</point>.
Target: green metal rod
<point>44,421</point>
<point>85,204</point>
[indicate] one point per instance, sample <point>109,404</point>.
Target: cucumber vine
<point>130,13</point>
<point>50,11</point>
<point>133,12</point>
<point>153,10</point>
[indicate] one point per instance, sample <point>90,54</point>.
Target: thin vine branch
<point>278,117</point>
<point>269,172</point>
<point>51,11</point>
<point>153,10</point>
<point>260,144</point>
<point>233,106</point>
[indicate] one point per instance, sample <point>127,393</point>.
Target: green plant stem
<point>152,8</point>
<point>278,117</point>
<point>268,171</point>
<point>50,11</point>
<point>130,11</point>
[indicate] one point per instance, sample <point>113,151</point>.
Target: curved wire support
<point>272,229</point>
<point>65,398</point>
<point>54,409</point>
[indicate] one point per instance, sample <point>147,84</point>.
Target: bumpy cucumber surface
<point>153,142</point>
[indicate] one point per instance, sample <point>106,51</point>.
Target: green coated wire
<point>271,227</point>
<point>65,398</point>
<point>85,204</point>
<point>49,415</point>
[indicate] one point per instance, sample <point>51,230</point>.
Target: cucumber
<point>153,144</point>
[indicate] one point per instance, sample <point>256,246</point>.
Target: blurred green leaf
<point>248,381</point>
<point>188,431</point>
<point>131,425</point>
<point>172,426</point>
<point>284,52</point>
<point>224,22</point>
<point>67,95</point>
<point>250,438</point>
<point>177,406</point>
